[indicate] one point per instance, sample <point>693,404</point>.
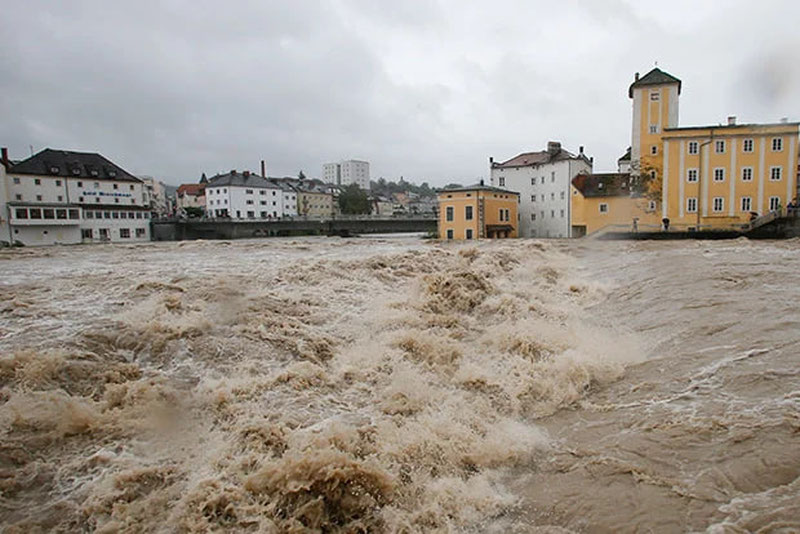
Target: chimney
<point>5,157</point>
<point>233,171</point>
<point>263,169</point>
<point>481,181</point>
<point>491,160</point>
<point>732,120</point>
<point>784,120</point>
<point>580,150</point>
<point>246,174</point>
<point>636,77</point>
<point>553,147</point>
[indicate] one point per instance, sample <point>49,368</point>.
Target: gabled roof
<point>240,179</point>
<point>71,164</point>
<point>529,159</point>
<point>654,77</point>
<point>611,184</point>
<point>196,190</point>
<point>626,156</point>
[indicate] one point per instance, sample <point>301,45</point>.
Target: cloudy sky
<point>426,89</point>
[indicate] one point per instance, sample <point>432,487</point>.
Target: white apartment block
<point>542,180</point>
<point>347,172</point>
<point>288,197</point>
<point>244,195</point>
<point>65,197</point>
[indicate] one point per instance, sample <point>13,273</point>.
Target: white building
<point>542,180</point>
<point>65,197</point>
<point>243,195</point>
<point>288,197</point>
<point>160,202</point>
<point>347,172</point>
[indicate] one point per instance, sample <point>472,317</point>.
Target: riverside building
<point>67,197</point>
<point>243,195</point>
<point>543,181</point>
<point>477,212</point>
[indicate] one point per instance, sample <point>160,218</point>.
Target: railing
<point>370,217</point>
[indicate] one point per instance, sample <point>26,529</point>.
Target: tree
<point>650,178</point>
<point>301,175</point>
<point>354,201</point>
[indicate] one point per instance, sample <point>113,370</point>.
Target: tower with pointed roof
<point>655,107</point>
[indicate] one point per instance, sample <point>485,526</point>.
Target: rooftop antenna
<point>656,62</point>
<point>31,147</point>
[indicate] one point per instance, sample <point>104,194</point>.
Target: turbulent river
<point>397,385</point>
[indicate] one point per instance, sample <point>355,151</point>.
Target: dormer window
<point>53,170</point>
<point>112,173</point>
<point>94,172</point>
<point>76,171</point>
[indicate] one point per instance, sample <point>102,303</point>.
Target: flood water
<point>399,385</point>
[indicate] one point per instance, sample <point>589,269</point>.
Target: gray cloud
<point>426,89</point>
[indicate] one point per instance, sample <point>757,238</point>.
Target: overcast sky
<point>426,89</point>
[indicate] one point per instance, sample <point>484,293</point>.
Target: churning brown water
<point>393,385</point>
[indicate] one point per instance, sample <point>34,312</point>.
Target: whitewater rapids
<point>398,385</point>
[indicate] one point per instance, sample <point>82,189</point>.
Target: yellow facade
<point>314,203</point>
<point>478,212</point>
<point>617,210</point>
<point>719,176</point>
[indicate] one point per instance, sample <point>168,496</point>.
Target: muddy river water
<point>390,384</point>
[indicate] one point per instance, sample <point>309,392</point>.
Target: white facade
<point>42,209</point>
<point>244,196</point>
<point>544,190</point>
<point>347,172</point>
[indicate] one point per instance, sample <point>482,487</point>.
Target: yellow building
<point>611,201</point>
<point>703,177</point>
<point>718,176</point>
<point>477,212</point>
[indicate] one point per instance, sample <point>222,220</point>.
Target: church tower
<point>655,107</point>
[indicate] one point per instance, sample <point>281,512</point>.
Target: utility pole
<point>700,177</point>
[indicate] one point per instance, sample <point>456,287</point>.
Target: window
<point>449,233</point>
<point>777,144</point>
<point>49,213</point>
<point>542,214</point>
<point>263,202</point>
<point>97,200</point>
<point>116,201</point>
<point>691,205</point>
<point>123,215</point>
<point>653,150</point>
<point>553,177</point>
<point>533,216</point>
<point>562,214</point>
<point>718,204</point>
<point>86,233</point>
<point>248,191</point>
<point>115,215</point>
<point>16,181</point>
<point>533,198</point>
<point>80,184</point>
<point>58,183</point>
<point>653,175</point>
<point>468,213</point>
<point>97,185</point>
<point>533,181</point>
<point>747,145</point>
<point>542,197</point>
<point>36,213</point>
<point>39,198</point>
<point>651,206</point>
<point>131,187</point>
<point>249,201</point>
<point>448,213</point>
<point>552,196</point>
<point>653,129</point>
<point>562,195</point>
<point>775,173</point>
<point>140,232</point>
<point>693,147</point>
<point>719,174</point>
<point>117,187</point>
<point>39,182</point>
<point>138,214</point>
<point>18,196</point>
<point>80,199</point>
<point>468,233</point>
<point>60,198</point>
<point>655,95</point>
<point>501,181</point>
<point>73,214</point>
<point>747,174</point>
<point>552,214</point>
<point>89,215</point>
<point>542,179</point>
<point>603,208</point>
<point>747,204</point>
<point>774,203</point>
<point>21,213</point>
<point>146,215</point>
<point>251,215</point>
<point>94,172</point>
<point>106,214</point>
<point>103,233</point>
<point>719,146</point>
<point>125,233</point>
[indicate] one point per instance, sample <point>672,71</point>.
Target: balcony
<point>44,216</point>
